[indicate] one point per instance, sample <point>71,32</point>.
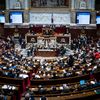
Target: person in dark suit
<point>43,98</point>
<point>70,61</point>
<point>20,39</point>
<point>46,32</point>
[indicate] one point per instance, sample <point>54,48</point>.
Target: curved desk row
<point>62,80</point>
<point>84,95</point>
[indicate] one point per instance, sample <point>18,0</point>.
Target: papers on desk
<point>45,50</point>
<point>8,87</point>
<point>23,75</point>
<point>92,82</point>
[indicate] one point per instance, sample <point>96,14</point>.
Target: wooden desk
<point>14,81</point>
<point>63,80</point>
<point>46,53</point>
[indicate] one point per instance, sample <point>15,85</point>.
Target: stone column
<point>72,16</point>
<point>91,4</point>
<point>93,16</point>
<point>7,16</point>
<point>26,16</point>
<point>7,4</point>
<point>26,2</point>
<point>72,4</point>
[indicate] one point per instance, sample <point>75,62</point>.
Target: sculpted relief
<point>49,3</point>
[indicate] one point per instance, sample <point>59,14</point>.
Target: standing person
<point>20,40</point>
<point>70,61</point>
<point>23,45</point>
<point>16,33</point>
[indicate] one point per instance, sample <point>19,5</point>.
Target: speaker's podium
<point>46,53</point>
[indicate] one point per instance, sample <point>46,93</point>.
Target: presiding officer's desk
<point>46,53</point>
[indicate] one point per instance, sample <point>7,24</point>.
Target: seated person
<point>43,98</point>
<point>28,33</point>
<point>47,32</point>
<point>11,74</point>
<point>1,96</point>
<point>33,33</point>
<point>27,96</point>
<point>41,89</point>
